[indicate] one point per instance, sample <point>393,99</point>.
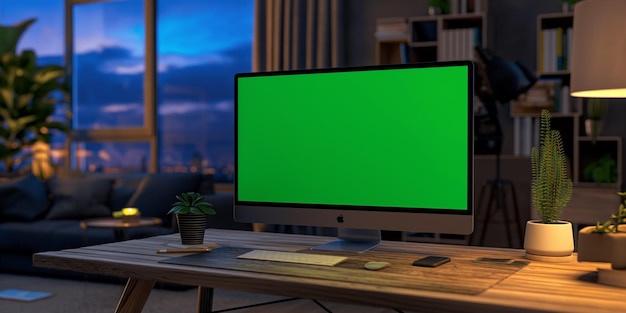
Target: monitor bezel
<point>364,217</point>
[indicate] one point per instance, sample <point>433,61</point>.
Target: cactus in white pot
<point>551,191</point>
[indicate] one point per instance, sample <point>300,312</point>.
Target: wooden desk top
<point>538,287</point>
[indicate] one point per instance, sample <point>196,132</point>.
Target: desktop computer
<point>363,149</point>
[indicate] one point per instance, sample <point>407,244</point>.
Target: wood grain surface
<point>536,287</point>
<point>453,277</point>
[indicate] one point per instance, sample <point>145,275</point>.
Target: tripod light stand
<point>497,81</point>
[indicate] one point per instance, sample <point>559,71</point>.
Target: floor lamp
<point>497,81</point>
<point>599,71</point>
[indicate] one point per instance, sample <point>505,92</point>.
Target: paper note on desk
<point>23,295</point>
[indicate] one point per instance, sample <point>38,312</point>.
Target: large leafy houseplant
<point>29,95</point>
<point>549,238</point>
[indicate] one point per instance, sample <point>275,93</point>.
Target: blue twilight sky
<point>201,44</point>
<point>205,20</point>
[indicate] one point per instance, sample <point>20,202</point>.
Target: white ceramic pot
<point>591,124</point>
<point>551,240</point>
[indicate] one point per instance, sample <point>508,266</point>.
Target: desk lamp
<point>599,71</point>
<point>497,80</point>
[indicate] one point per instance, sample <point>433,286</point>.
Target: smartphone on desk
<point>431,261</point>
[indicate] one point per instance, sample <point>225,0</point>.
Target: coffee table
<point>118,225</point>
<point>535,287</point>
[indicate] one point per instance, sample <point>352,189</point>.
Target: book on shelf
<point>525,134</point>
<point>547,93</point>
<point>391,28</point>
<point>555,46</point>
<point>466,6</point>
<point>459,43</point>
<point>405,53</point>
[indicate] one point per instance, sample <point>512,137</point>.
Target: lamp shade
<point>599,49</point>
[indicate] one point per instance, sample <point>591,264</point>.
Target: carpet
<point>70,295</point>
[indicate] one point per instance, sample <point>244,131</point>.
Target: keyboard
<point>293,257</point>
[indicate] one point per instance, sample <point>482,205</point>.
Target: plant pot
<point>566,7</point>
<point>602,247</point>
<point>618,246</point>
<point>549,242</point>
<point>593,247</point>
<point>432,11</point>
<point>191,228</point>
<point>593,128</point>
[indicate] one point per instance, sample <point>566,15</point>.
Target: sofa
<point>40,215</point>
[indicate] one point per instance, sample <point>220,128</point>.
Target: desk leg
<point>134,296</point>
<point>205,299</point>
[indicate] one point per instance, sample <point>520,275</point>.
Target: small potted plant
<point>595,243</point>
<point>549,238</point>
<point>436,7</point>
<point>568,5</point>
<point>191,211</point>
<point>596,111</point>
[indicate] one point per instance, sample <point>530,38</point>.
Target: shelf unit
<point>430,38</point>
<point>445,37</point>
<point>554,35</point>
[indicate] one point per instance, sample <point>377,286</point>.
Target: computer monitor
<point>362,149</point>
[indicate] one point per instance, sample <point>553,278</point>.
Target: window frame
<point>149,131</point>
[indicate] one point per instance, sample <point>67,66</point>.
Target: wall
<point>512,31</point>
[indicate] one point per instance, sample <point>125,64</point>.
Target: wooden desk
<point>538,287</point>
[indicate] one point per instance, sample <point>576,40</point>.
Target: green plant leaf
<point>11,35</point>
<point>551,187</point>
<point>191,203</point>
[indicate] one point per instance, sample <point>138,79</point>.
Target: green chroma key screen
<point>392,138</point>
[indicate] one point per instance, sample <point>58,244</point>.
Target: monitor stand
<point>352,240</point>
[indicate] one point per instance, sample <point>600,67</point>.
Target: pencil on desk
<point>206,250</point>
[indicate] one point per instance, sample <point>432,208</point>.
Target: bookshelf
<point>429,38</point>
<point>554,38</point>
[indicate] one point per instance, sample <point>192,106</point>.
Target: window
<point>187,123</point>
<point>197,60</point>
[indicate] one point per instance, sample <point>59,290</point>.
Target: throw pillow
<point>157,193</point>
<point>22,199</point>
<point>79,197</point>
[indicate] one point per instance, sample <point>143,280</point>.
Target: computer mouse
<point>374,266</point>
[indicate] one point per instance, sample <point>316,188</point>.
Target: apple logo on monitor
<point>340,218</point>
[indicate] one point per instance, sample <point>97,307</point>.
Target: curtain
<point>297,34</point>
